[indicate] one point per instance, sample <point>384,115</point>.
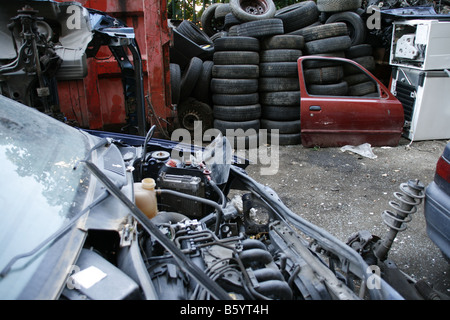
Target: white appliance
<point>425,96</point>
<point>420,56</point>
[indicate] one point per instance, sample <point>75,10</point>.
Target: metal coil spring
<point>409,198</point>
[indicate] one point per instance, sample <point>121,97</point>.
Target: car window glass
<point>327,77</point>
<point>39,190</point>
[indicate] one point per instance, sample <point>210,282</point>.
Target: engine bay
<point>218,234</point>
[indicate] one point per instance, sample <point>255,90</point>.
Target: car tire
<point>190,77</point>
<point>327,63</point>
<point>338,5</point>
<point>283,127</point>
<point>332,44</point>
<point>191,110</point>
<point>235,99</point>
<point>284,41</point>
<point>280,98</point>
<point>356,78</point>
<point>194,33</point>
<point>334,89</point>
<point>278,69</point>
<point>202,88</point>
<point>278,84</point>
<point>175,82</point>
<point>285,139</point>
<point>237,113</point>
<point>234,86</point>
<point>239,71</point>
<point>211,25</point>
<point>237,44</point>
<point>235,57</point>
<point>251,10</point>
<point>280,113</point>
<point>355,25</point>
<point>230,21</point>
<point>222,10</point>
<point>260,28</point>
<point>298,15</point>
<point>359,50</point>
<point>324,31</point>
<point>218,35</point>
<point>362,89</point>
<point>324,75</point>
<point>367,62</point>
<point>280,55</point>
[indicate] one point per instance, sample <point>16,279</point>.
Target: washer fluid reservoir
<point>145,197</point>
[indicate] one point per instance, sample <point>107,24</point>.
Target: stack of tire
<point>298,16</point>
<point>234,87</point>
<point>359,83</point>
<point>191,93</point>
<point>279,88</point>
<point>346,11</point>
<point>325,78</point>
<point>190,82</point>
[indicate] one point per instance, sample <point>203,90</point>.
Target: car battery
<point>187,184</point>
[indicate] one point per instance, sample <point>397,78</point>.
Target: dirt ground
<point>344,193</point>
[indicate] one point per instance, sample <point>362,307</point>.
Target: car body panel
<point>333,121</point>
<point>437,204</point>
<point>437,216</point>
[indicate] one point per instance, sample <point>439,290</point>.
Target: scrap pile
<point>245,76</point>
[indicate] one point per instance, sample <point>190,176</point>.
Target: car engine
<point>235,253</point>
<point>219,235</point>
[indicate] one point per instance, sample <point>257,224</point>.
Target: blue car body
<point>437,204</point>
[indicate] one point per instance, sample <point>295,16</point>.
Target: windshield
<point>39,190</point>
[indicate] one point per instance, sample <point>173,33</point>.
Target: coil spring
<point>409,198</point>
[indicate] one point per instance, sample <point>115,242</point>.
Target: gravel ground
<point>344,193</point>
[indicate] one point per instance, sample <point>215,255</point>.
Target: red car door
<point>344,104</point>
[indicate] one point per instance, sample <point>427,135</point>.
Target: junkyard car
<point>70,227</point>
<point>437,204</point>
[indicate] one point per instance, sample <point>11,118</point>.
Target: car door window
<point>325,77</point>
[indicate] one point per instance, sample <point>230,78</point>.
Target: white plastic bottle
<point>145,197</point>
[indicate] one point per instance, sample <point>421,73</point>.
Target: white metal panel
<point>431,118</point>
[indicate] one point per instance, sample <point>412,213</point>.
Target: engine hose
<point>255,257</point>
<point>255,294</point>
<point>253,244</point>
<point>275,289</point>
<point>213,204</point>
<point>168,217</point>
<point>219,193</point>
<point>265,274</point>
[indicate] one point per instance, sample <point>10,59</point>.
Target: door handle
<point>315,108</point>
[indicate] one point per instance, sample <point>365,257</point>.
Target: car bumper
<point>437,216</point>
